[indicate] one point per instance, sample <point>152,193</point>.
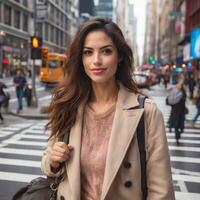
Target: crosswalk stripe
<point>43,137</point>
<point>35,131</point>
<point>186,178</point>
<point>185,135</point>
<point>187,196</point>
<point>10,129</point>
<point>18,177</point>
<point>184,159</point>
<point>29,143</point>
<point>20,162</point>
<point>184,141</point>
<point>4,134</point>
<point>21,151</point>
<point>195,149</point>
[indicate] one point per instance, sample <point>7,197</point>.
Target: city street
<point>22,142</point>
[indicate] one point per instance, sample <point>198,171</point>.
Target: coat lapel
<point>73,165</point>
<point>123,129</point>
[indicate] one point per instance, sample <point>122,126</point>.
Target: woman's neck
<point>104,93</point>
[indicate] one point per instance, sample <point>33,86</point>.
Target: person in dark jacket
<point>2,98</point>
<point>177,115</point>
<point>19,82</point>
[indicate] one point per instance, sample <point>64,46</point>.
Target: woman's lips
<point>98,71</point>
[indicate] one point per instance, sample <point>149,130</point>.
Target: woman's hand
<point>59,153</point>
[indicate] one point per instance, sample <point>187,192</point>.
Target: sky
<point>140,14</point>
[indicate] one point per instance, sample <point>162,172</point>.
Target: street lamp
<point>2,33</point>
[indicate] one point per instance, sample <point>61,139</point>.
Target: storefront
<point>14,54</point>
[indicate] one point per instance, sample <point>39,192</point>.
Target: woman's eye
<point>87,52</point>
<point>107,51</point>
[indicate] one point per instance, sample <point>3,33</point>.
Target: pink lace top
<point>95,138</point>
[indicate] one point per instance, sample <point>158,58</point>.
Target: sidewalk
<point>37,113</point>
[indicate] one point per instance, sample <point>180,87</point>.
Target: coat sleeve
<point>45,164</point>
<point>159,178</point>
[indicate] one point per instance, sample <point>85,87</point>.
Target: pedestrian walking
<point>97,103</point>
<point>28,95</point>
<point>176,99</point>
<point>196,101</point>
<point>191,85</point>
<point>3,98</point>
<point>19,82</point>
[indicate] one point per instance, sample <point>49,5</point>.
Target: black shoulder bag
<point>41,188</point>
<point>141,145</point>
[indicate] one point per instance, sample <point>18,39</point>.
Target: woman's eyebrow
<point>109,45</point>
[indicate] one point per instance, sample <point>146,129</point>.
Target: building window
<point>52,34</point>
<point>40,29</point>
<point>16,19</point>
<point>57,36</point>
<point>46,32</point>
<point>25,22</point>
<point>25,3</point>
<point>0,11</point>
<point>7,15</point>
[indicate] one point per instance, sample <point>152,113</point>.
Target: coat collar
<point>124,126</point>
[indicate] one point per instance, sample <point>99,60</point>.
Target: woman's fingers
<point>61,152</point>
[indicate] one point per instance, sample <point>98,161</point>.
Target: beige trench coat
<point>122,180</point>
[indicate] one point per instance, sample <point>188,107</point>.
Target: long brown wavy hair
<point>76,85</point>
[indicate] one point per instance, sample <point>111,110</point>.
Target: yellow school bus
<point>52,68</point>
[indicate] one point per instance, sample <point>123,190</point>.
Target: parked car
<point>143,80</point>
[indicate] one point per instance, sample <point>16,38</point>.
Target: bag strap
<point>141,145</point>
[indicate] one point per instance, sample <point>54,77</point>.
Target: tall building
<point>105,9</point>
<point>16,26</point>
<point>86,10</point>
<point>58,23</point>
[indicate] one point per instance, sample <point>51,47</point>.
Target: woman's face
<point>99,57</point>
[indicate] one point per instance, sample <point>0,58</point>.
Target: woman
<point>178,111</point>
<point>97,104</point>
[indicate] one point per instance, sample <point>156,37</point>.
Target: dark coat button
<point>128,184</point>
<point>127,164</point>
<point>62,198</point>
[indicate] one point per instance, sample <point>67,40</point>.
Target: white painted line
<point>186,172</point>
<point>21,125</point>
<point>184,159</point>
<point>4,134</point>
<point>194,149</point>
<point>21,151</point>
<point>10,141</point>
<point>18,177</point>
<point>20,162</point>
<point>34,131</point>
<point>184,141</point>
<point>11,128</point>
<point>35,137</point>
<point>187,196</point>
<point>185,135</point>
<point>186,178</point>
<point>186,130</point>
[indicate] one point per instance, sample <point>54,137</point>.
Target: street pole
<point>2,33</point>
<point>34,95</point>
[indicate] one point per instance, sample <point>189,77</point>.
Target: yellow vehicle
<point>52,68</point>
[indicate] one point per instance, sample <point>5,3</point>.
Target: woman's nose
<point>97,59</point>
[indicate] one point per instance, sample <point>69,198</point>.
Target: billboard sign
<point>195,43</point>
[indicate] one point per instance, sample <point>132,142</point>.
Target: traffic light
<point>36,45</point>
<point>44,53</point>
